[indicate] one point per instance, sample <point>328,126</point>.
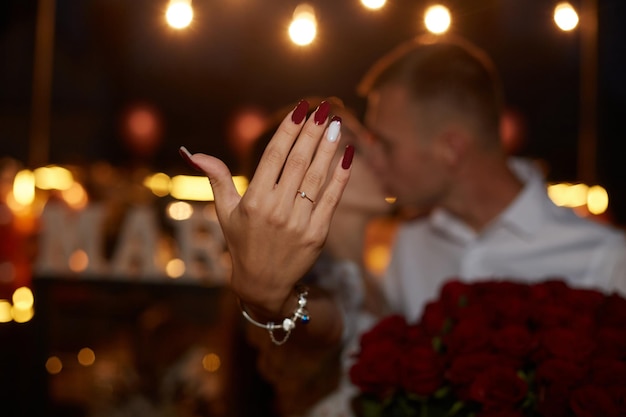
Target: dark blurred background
<point>112,54</point>
<point>113,57</point>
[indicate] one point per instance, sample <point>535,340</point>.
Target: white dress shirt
<point>531,240</point>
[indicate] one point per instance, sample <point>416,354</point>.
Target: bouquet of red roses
<point>498,348</point>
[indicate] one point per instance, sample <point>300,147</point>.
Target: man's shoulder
<point>566,220</point>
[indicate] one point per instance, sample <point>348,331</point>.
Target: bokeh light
<point>142,129</point>
<point>5,311</point>
<point>303,27</point>
<point>179,14</point>
<point>24,187</point>
<point>179,210</point>
<point>79,261</point>
<point>565,16</point>
<point>373,4</point>
<point>175,268</point>
<point>597,200</point>
<point>211,362</point>
<point>54,365</point>
<point>86,356</point>
<point>23,298</point>
<point>437,19</point>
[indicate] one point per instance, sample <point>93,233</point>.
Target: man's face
<point>403,156</point>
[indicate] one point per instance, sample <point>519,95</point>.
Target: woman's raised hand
<point>276,230</point>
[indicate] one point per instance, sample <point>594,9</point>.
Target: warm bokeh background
<point>126,90</point>
<point>111,55</point>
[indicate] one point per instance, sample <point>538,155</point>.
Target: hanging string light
<point>565,16</point>
<point>179,14</point>
<point>303,27</point>
<point>437,19</point>
<point>373,4</point>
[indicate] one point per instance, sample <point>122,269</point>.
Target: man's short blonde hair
<point>443,69</point>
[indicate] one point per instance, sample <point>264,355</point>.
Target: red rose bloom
<point>464,369</point>
<point>378,368</point>
<point>559,372</point>
<point>468,335</point>
<point>421,370</point>
<point>550,315</point>
<point>498,388</point>
<point>500,413</point>
<point>591,401</point>
<point>614,311</point>
<point>392,328</point>
<point>499,349</point>
<point>567,344</point>
<point>608,372</point>
<point>553,401</point>
<point>434,318</point>
<point>583,299</point>
<point>514,341</point>
<point>455,295</point>
<point>611,342</point>
<point>548,291</point>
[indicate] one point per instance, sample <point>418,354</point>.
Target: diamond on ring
<point>302,194</point>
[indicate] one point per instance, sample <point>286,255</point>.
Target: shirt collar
<point>526,213</point>
<point>523,215</point>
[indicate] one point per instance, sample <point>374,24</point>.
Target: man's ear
<point>452,146</point>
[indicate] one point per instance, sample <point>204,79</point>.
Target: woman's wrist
<point>263,301</point>
<point>285,325</point>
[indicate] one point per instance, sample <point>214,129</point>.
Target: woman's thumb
<point>224,191</point>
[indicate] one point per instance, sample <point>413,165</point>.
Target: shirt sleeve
<point>608,268</point>
<point>616,262</point>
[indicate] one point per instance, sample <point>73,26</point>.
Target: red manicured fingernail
<point>321,114</point>
<point>299,113</point>
<point>348,154</point>
<point>187,157</point>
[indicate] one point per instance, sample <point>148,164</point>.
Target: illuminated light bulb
<point>597,200</point>
<point>54,365</point>
<point>437,19</point>
<point>373,4</point>
<point>377,258</point>
<point>390,200</point>
<point>23,298</point>
<point>53,178</point>
<point>79,261</point>
<point>565,16</point>
<point>24,187</point>
<point>577,195</point>
<point>5,311</point>
<point>86,357</point>
<point>211,362</point>
<point>558,193</point>
<point>75,196</point>
<point>175,268</point>
<point>186,187</point>
<point>159,184</point>
<point>179,14</point>
<point>568,195</point>
<point>179,210</point>
<point>303,27</point>
<point>241,184</point>
<point>22,315</point>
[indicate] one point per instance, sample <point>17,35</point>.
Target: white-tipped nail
<point>185,151</point>
<point>332,133</point>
